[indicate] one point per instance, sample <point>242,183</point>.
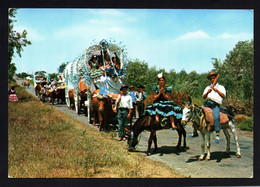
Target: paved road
<point>185,162</point>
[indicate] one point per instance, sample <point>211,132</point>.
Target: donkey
<point>196,116</point>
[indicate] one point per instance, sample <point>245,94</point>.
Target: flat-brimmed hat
<point>132,86</point>
<point>212,74</point>
<point>123,86</point>
<point>141,86</point>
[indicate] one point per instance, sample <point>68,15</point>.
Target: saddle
<point>209,117</point>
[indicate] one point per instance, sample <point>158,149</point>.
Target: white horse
<point>197,117</point>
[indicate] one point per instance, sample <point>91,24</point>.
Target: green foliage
<point>62,67</point>
<point>237,71</point>
<point>16,41</point>
<point>247,124</point>
<point>11,71</point>
<point>53,76</point>
<point>23,75</point>
<point>236,74</point>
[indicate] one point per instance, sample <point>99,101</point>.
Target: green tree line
<point>236,74</point>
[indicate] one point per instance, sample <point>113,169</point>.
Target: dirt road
<point>185,162</point>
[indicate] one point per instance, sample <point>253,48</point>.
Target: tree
<point>53,76</point>
<point>62,67</point>
<point>237,71</point>
<point>237,75</point>
<point>16,42</point>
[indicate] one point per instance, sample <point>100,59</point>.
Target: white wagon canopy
<point>102,66</point>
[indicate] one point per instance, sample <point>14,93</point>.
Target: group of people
<point>106,67</point>
<point>162,107</point>
<point>51,86</point>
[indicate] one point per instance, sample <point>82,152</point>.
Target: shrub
<point>247,124</point>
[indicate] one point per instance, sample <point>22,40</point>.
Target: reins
<point>198,115</point>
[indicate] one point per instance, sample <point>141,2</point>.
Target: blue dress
<point>163,107</point>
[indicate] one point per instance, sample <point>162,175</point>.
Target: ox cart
<point>40,78</point>
<point>101,67</point>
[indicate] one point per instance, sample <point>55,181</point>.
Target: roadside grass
<point>46,143</point>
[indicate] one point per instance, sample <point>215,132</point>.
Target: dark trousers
<point>122,121</point>
<point>140,108</point>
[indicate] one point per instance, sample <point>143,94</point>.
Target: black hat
<point>141,86</point>
<point>212,74</point>
<point>123,86</point>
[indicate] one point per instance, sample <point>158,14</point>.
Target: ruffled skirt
<point>13,97</point>
<point>164,109</point>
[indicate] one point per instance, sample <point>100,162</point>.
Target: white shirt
<point>213,95</point>
<point>126,101</point>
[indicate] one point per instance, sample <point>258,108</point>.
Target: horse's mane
<point>141,121</point>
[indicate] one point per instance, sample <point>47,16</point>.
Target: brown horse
<point>37,89</point>
<point>147,123</point>
<point>103,109</point>
<point>71,99</point>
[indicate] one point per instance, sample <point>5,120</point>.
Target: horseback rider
<point>162,107</point>
<point>214,93</point>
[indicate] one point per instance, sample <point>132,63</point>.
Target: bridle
<point>192,108</point>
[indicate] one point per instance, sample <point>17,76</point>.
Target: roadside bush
<point>247,124</point>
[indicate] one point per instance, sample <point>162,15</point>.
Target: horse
<point>196,115</point>
<point>103,109</point>
<point>147,122</point>
<point>26,83</point>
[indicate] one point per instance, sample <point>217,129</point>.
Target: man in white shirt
<point>214,93</point>
<point>124,106</point>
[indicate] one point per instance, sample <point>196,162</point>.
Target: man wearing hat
<point>141,96</point>
<point>214,93</point>
<point>133,94</point>
<point>124,107</point>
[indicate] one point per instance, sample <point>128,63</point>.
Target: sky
<point>172,39</point>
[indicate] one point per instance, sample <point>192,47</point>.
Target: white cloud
<point>243,36</point>
<point>32,34</point>
<point>192,35</point>
<point>107,12</point>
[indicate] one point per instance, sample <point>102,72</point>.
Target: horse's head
<point>191,113</point>
<point>103,102</point>
<point>131,139</point>
<point>136,129</point>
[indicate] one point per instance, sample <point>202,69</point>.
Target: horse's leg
<point>150,142</point>
<point>208,145</point>
<point>202,136</point>
<point>94,118</point>
<point>225,130</point>
<point>100,120</point>
<point>184,135</point>
<point>232,126</point>
<point>155,143</point>
<point>179,130</point>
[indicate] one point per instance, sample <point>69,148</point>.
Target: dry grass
<point>45,143</point>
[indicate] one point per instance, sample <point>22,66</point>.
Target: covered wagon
<point>101,67</point>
